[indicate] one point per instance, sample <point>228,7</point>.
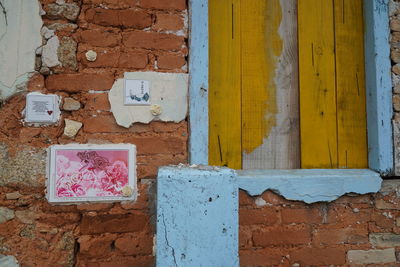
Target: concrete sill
<point>310,185</point>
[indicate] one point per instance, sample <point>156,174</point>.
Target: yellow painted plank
<point>351,110</point>
<point>224,84</point>
<point>317,84</point>
<point>270,132</point>
<point>261,46</point>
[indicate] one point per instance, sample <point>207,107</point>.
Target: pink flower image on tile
<point>91,173</point>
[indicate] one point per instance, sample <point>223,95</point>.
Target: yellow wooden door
<point>263,75</point>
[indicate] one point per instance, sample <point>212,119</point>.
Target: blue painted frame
<point>198,86</point>
<point>378,84</point>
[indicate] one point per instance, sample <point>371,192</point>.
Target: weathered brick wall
<point>135,35</point>
<point>127,35</point>
<point>353,230</point>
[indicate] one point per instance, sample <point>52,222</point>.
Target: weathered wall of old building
<point>151,35</point>
<point>128,36</point>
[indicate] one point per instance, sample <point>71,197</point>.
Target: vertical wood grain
<point>350,85</point>
<point>224,81</point>
<point>317,84</point>
<point>270,85</point>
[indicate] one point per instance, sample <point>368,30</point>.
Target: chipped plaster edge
<point>310,185</point>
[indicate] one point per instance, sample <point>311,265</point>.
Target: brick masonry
<point>127,35</point>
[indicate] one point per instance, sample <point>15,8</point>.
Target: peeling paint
<point>20,25</point>
<point>167,90</point>
<point>268,93</point>
<point>310,185</point>
<point>281,109</point>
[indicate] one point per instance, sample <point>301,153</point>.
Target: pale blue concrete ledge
<point>310,185</point>
<point>197,217</point>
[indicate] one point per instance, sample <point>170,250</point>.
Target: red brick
<point>26,134</point>
<point>97,102</point>
<point>121,223</point>
<point>100,38</point>
<point>344,215</point>
<point>318,256</point>
<point>131,244</point>
<point>112,3</point>
<point>263,257</point>
<point>153,40</point>
<point>57,220</point>
<point>127,18</point>
<point>169,22</point>
<point>148,165</point>
<point>106,58</point>
<point>265,216</point>
<point>282,236</point>
<point>79,82</point>
<point>341,236</point>
<point>163,4</point>
<point>245,199</point>
<point>158,145</point>
<point>171,61</point>
<point>97,246</point>
<point>107,124</point>
<point>244,238</point>
<point>168,127</point>
<point>133,60</point>
<point>36,83</point>
<point>304,215</point>
<point>382,220</point>
<point>134,19</point>
<point>94,207</point>
<point>143,261</point>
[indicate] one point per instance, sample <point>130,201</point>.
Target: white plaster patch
<point>167,90</point>
<point>49,52</point>
<point>20,25</point>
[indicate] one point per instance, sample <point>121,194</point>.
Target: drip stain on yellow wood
<point>261,47</point>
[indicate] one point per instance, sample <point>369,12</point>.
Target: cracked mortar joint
<point>155,110</point>
<point>91,55</point>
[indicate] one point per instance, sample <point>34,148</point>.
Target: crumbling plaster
<point>20,25</point>
<point>168,99</point>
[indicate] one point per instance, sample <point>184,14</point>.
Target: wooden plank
<point>379,86</point>
<point>224,78</point>
<point>350,85</point>
<point>198,66</point>
<point>317,84</point>
<point>270,85</point>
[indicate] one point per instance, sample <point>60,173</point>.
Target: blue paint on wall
<point>197,217</point>
<point>310,185</point>
<point>379,86</point>
<point>198,88</point>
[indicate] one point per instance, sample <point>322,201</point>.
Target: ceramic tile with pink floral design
<point>91,173</point>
